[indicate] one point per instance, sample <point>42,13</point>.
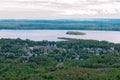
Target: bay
<point>52,35</point>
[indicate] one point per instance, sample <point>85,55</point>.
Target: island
<point>75,33</point>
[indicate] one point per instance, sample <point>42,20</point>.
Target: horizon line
<point>54,18</point>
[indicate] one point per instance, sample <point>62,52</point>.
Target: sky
<point>54,9</point>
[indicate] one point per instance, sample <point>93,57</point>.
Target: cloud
<point>79,12</point>
<point>102,7</point>
<point>59,8</point>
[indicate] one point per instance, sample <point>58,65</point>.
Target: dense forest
<point>76,24</point>
<point>74,59</point>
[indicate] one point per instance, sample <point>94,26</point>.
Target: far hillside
<point>62,24</point>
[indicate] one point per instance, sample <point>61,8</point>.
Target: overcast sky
<point>52,9</point>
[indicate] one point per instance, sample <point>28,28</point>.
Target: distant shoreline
<point>60,29</point>
<point>61,24</point>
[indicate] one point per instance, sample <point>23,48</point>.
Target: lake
<point>52,35</point>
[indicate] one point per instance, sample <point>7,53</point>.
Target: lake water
<point>52,35</point>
